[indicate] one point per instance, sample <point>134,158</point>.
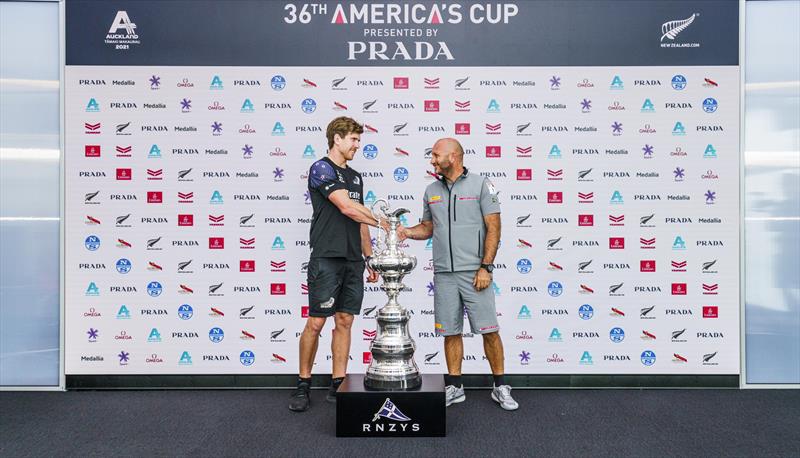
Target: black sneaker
<point>300,400</point>
<point>332,390</point>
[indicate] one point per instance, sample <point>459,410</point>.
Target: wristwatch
<point>489,267</point>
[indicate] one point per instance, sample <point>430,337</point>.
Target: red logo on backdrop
<point>401,82</point>
<point>585,220</point>
<point>92,150</point>
<point>585,198</point>
<point>185,197</point>
<point>462,106</point>
<point>247,244</point>
<point>647,244</point>
<point>185,220</point>
<point>431,83</point>
<point>216,220</point>
<point>125,175</point>
<point>155,197</point>
<point>555,197</point>
<point>366,357</point>
<point>92,128</point>
<point>431,106</point>
<point>247,265</point>
<point>154,174</point>
<point>304,311</point>
<point>710,311</point>
<point>277,266</point>
<point>124,151</point>
<point>525,151</point>
<point>710,289</point>
<point>462,128</point>
<point>679,266</point>
<point>277,289</point>
<point>493,129</point>
<point>616,220</point>
<point>304,289</point>
<point>492,151</point>
<point>679,289</point>
<point>216,243</point>
<point>648,265</point>
<point>555,175</point>
<point>524,175</point>
<point>616,243</point>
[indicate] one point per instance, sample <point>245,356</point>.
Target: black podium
<point>362,412</point>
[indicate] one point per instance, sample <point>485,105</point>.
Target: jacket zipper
<point>450,227</point>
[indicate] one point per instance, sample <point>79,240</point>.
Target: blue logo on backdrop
<point>154,289</point>
<point>308,106</point>
<point>370,151</point>
<point>123,266</point>
<point>154,153</point>
<point>92,243</point>
<point>247,358</point>
<point>555,289</point>
<point>616,335</point>
<point>400,174</point>
<point>648,357</point>
<point>678,82</point>
<point>524,265</point>
<point>585,312</point>
<point>278,82</point>
<point>710,105</point>
<point>123,313</point>
<point>216,83</point>
<point>185,312</point>
<point>216,335</point>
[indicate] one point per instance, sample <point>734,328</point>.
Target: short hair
<point>342,126</point>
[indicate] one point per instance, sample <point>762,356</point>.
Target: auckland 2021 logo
<point>126,38</point>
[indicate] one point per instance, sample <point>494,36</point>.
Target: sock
<point>304,380</point>
<point>337,381</point>
<point>454,380</point>
<point>499,379</point>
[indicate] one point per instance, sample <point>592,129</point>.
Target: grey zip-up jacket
<point>457,213</point>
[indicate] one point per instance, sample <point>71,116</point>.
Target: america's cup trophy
<point>392,366</point>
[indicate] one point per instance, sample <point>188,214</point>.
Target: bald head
<point>450,146</point>
<point>447,157</point>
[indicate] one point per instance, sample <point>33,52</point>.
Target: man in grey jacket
<point>462,214</point>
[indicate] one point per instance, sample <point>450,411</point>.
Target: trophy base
<point>410,383</point>
<point>370,412</point>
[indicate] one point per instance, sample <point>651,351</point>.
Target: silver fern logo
<point>671,29</point>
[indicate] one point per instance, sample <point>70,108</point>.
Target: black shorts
<point>335,285</point>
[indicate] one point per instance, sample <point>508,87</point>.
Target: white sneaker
<point>502,395</point>
<point>454,395</point>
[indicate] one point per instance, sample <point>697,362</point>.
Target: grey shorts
<point>454,296</point>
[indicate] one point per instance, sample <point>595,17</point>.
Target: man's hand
<point>482,279</point>
<point>372,276</point>
<point>401,233</point>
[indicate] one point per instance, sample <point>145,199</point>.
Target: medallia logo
<point>616,335</point>
<point>216,335</point>
<point>308,106</point>
<point>278,82</point>
<point>247,358</point>
<point>123,265</point>
<point>585,312</point>
<point>524,266</point>
<point>648,357</point>
<point>400,174</point>
<point>709,105</point>
<point>678,82</point>
<point>370,151</point>
<point>92,243</point>
<point>185,312</point>
<point>555,289</point>
<point>154,289</point>
<point>122,41</point>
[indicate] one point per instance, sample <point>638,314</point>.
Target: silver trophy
<point>392,366</point>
